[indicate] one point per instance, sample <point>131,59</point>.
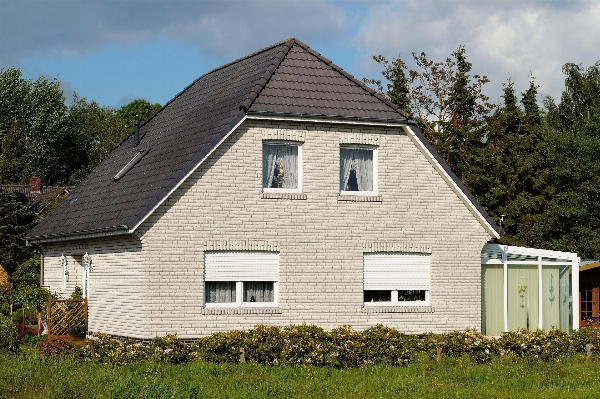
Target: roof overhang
<point>78,235</point>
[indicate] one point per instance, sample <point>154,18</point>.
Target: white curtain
<point>258,291</point>
<point>492,299</point>
<point>523,303</point>
<point>288,156</point>
<point>361,162</point>
<point>220,291</point>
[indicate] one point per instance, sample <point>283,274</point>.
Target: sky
<point>115,51</point>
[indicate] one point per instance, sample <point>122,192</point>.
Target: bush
<point>168,349</point>
<point>9,336</point>
<point>106,350</point>
<point>221,347</point>
<point>56,349</point>
<point>305,344</point>
<point>263,344</point>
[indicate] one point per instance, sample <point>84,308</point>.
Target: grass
<point>30,376</point>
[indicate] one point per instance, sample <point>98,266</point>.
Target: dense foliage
<point>9,336</point>
<point>342,347</point>
<point>533,169</point>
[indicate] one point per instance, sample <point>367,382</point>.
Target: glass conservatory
<point>528,288</point>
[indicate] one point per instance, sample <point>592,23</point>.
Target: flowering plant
<point>590,320</point>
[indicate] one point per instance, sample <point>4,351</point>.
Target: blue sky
<point>114,51</point>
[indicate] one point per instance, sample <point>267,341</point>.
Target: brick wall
<point>320,237</point>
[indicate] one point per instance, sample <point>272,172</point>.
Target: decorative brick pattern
<point>287,196</point>
<point>232,311</point>
<point>357,138</point>
<point>283,135</point>
<point>398,309</point>
<point>241,245</point>
<point>422,248</point>
<point>360,198</point>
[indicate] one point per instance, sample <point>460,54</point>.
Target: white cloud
<point>222,29</point>
<point>503,39</point>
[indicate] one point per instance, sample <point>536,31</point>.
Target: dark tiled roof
<point>286,78</point>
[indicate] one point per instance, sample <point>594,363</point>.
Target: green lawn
<point>29,376</point>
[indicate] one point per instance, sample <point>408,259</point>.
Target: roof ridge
<point>266,76</point>
<point>348,76</point>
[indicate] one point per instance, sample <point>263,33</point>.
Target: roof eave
<point>78,235</point>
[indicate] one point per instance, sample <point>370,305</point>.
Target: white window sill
<point>344,196</point>
<point>398,309</point>
<point>280,195</point>
<point>240,310</point>
<point>282,190</point>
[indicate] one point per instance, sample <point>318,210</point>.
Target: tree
<point>34,115</point>
<point>571,149</point>
<point>16,220</point>
<point>139,107</point>
<point>447,104</point>
<point>398,90</point>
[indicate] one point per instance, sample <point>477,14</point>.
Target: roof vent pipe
<point>136,134</point>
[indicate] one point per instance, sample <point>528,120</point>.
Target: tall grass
<point>30,376</point>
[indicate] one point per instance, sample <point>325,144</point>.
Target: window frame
<point>241,267</point>
<point>398,275</point>
<point>298,144</point>
<point>375,150</point>
<point>239,296</point>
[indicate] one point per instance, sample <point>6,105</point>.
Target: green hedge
<point>340,348</point>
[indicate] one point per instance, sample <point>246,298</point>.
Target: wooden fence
<point>67,319</point>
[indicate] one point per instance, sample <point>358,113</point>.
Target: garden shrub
<point>346,346</point>
<point>56,349</point>
<point>9,335</point>
<point>385,345</point>
<point>263,344</point>
<point>168,349</point>
<point>108,350</point>
<point>584,336</point>
<point>221,347</point>
<point>305,344</point>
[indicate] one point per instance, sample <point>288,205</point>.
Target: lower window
<point>240,278</point>
<point>395,296</point>
<point>238,293</point>
<point>396,279</point>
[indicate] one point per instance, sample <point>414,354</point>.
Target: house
<point>34,194</point>
<point>276,189</point>
<point>589,290</point>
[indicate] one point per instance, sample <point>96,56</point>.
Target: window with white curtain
<point>358,170</point>
<point>240,278</point>
<point>282,167</point>
<point>392,278</point>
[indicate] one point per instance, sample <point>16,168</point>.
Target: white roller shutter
<point>241,266</point>
<point>396,271</point>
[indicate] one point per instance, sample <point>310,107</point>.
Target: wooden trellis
<point>67,319</point>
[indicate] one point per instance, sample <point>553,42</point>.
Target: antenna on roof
<point>136,135</point>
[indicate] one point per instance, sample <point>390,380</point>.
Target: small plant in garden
<point>9,336</point>
<point>168,349</point>
<point>56,349</point>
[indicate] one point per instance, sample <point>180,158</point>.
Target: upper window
<point>240,278</point>
<point>396,278</point>
<point>358,171</point>
<point>282,167</point>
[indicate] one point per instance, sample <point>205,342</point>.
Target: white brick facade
<point>151,283</point>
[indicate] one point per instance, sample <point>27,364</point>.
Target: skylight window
<point>131,164</point>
